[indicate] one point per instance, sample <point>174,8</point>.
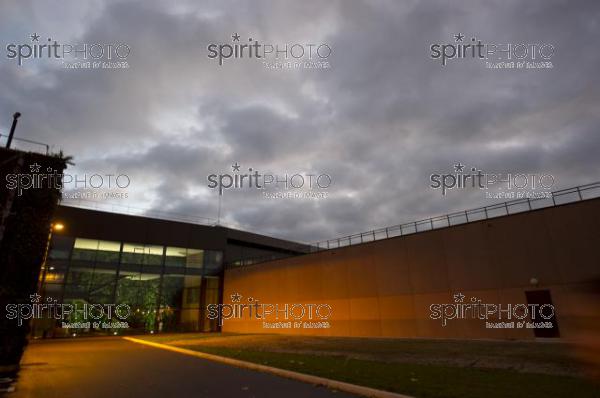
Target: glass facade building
<point>165,287</point>
<point>167,276</point>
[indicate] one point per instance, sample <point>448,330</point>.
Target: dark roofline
<point>231,235</point>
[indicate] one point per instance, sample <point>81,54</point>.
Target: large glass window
<point>211,296</point>
<point>135,253</point>
<point>176,256</point>
<point>127,287</point>
<point>140,292</point>
<point>184,257</point>
<point>53,282</point>
<point>172,290</point>
<point>91,285</point>
<point>192,291</point>
<point>61,247</point>
<point>96,250</point>
<point>161,298</point>
<point>85,249</point>
<point>102,286</point>
<point>192,295</point>
<point>213,262</point>
<point>195,258</point>
<point>154,255</point>
<point>170,302</point>
<point>78,283</point>
<point>108,252</point>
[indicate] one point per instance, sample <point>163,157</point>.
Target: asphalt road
<point>113,367</point>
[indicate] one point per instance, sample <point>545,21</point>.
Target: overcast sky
<point>380,120</point>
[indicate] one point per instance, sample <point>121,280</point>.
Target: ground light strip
<point>320,381</point>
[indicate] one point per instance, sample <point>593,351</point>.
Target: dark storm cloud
<point>380,121</point>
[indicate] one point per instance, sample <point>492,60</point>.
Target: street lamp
<point>55,226</point>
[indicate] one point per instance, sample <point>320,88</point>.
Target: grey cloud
<point>380,121</point>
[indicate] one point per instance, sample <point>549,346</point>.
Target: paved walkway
<point>113,367</point>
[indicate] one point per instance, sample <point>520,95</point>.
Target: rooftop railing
<point>555,198</point>
<point>35,148</point>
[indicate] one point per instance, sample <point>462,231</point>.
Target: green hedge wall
<point>26,220</point>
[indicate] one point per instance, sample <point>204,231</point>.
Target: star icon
<point>35,298</point>
<point>459,167</point>
<point>236,298</point>
<point>34,168</point>
<point>235,167</point>
<point>459,298</point>
<point>459,37</point>
<point>235,37</point>
<point>35,37</point>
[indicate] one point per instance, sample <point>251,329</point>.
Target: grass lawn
<point>421,368</point>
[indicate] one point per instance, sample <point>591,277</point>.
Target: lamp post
<point>57,226</point>
<point>42,278</point>
<point>16,116</point>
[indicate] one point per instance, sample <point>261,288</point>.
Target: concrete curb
<point>320,381</point>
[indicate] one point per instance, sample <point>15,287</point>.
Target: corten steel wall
<point>385,288</point>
